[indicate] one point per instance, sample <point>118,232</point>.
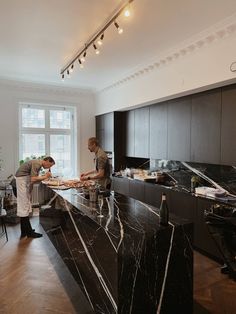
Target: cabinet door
<point>183,205</point>
<point>228,126</point>
<point>121,185</point>
<point>203,239</point>
<point>100,130</point>
<point>205,127</point>
<point>129,133</point>
<point>136,190</point>
<point>141,132</point>
<point>158,131</point>
<point>153,193</point>
<point>109,132</point>
<point>179,120</point>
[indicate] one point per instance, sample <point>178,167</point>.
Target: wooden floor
<point>30,284</point>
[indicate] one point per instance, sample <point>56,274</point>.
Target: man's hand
<point>48,175</point>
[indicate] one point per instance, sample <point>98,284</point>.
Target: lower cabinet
<point>121,185</point>
<point>153,193</point>
<point>182,204</point>
<point>136,190</point>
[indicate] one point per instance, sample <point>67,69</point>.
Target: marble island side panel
<point>124,262</point>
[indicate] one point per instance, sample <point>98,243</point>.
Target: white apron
<point>23,196</point>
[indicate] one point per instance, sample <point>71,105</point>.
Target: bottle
<point>193,184</point>
<point>164,211</point>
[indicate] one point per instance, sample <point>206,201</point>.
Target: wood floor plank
<point>28,281</point>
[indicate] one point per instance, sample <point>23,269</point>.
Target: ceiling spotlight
<point>80,63</point>
<point>99,42</point>
<point>83,58</point>
<point>120,30</point>
<point>71,68</point>
<point>96,49</point>
<point>127,12</point>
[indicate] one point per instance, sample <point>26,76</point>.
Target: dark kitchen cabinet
<point>105,131</point>
<point>228,125</point>
<point>205,127</point>
<point>153,193</point>
<point>121,185</point>
<point>203,239</point>
<point>129,127</point>
<point>158,131</point>
<point>182,205</point>
<point>100,130</point>
<point>109,132</point>
<point>141,132</point>
<point>111,136</point>
<point>136,190</point>
<point>179,124</point>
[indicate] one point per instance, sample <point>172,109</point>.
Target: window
<point>49,130</point>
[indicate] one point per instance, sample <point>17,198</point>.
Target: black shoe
<point>24,234</point>
<point>224,269</point>
<point>34,235</point>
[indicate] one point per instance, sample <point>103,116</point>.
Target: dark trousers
<point>25,226</point>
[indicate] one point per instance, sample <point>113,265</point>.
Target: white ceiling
<point>38,38</point>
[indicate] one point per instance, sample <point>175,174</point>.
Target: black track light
<point>96,39</point>
<point>96,49</point>
<point>80,63</point>
<point>71,68</point>
<point>99,42</point>
<point>120,30</point>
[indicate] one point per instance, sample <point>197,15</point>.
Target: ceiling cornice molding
<point>216,33</point>
<point>44,88</point>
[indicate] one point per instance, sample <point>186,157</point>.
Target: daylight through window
<point>49,130</point>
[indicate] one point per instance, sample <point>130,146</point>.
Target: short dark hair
<point>94,140</point>
<point>50,159</point>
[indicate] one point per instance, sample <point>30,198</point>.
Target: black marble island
<point>124,262</point>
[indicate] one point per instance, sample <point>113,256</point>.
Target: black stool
<point>4,228</point>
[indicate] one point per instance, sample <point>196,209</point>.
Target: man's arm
<point>35,179</point>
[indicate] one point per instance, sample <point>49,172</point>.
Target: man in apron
<point>26,176</point>
<point>102,172</point>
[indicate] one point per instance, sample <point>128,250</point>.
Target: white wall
<point>198,64</point>
<point>11,93</point>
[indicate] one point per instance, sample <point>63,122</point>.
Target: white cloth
<point>23,196</point>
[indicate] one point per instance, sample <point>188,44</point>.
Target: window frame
<point>47,131</point>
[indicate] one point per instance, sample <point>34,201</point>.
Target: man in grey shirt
<point>102,172</point>
<point>26,176</point>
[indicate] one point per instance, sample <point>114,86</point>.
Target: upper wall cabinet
<point>100,130</point>
<point>105,131</point>
<point>205,127</point>
<point>158,131</point>
<point>228,126</point>
<point>109,132</point>
<point>179,125</point>
<point>141,132</point>
<point>129,127</point>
